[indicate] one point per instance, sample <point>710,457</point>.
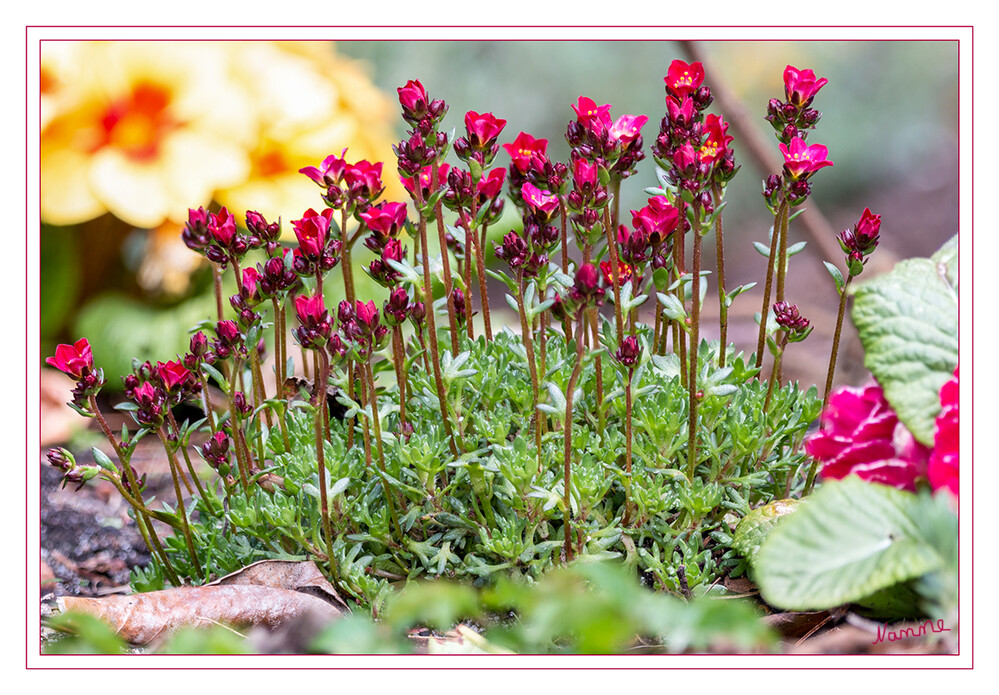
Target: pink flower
<point>329,172</point>
<point>482,128</point>
<point>491,185</point>
<point>658,219</point>
<point>588,114</point>
<point>385,218</point>
<point>801,86</point>
<point>624,272</point>
<point>943,468</point>
<point>310,310</point>
<point>364,178</point>
<point>523,149</point>
<point>683,79</point>
<point>867,229</point>
<point>862,435</point>
<point>801,160</point>
<point>250,278</point>
<point>173,374</point>
<point>413,97</point>
<point>311,231</point>
<point>74,360</point>
<point>222,225</point>
<point>716,139</point>
<point>424,179</point>
<point>540,201</point>
<point>584,175</point>
<point>366,314</point>
<point>681,113</point>
<point>626,128</point>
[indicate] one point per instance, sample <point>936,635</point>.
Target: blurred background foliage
<point>134,133</point>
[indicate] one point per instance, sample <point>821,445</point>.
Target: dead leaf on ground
<point>141,618</point>
<point>285,574</point>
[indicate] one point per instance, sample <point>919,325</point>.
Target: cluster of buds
<point>465,191</point>
<point>479,146</point>
<point>858,243</point>
<point>248,297</point>
<point>216,453</point>
<point>77,362</point>
<point>229,341</point>
<point>276,277</point>
<point>529,162</point>
<point>361,325</point>
<point>791,118</point>
<point>348,187</point>
<point>150,397</point>
<point>692,146</point>
<point>71,471</point>
<point>315,323</point>
<point>216,236</point>
<point>318,249</point>
<point>794,324</point>
<point>596,137</point>
<point>588,195</point>
<point>398,307</point>
<point>586,291</point>
<point>425,146</point>
<point>628,352</point>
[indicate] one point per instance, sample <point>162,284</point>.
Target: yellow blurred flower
<point>147,130</point>
<point>150,129</point>
<point>311,102</point>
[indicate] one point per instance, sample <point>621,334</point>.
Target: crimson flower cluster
<point>216,452</point>
<point>792,120</point>
<point>791,321</point>
<point>692,146</point>
<point>216,236</point>
<point>862,435</point>
<point>615,143</point>
<point>77,361</point>
<point>860,241</point>
<point>348,187</point>
<point>424,145</point>
<point>586,291</point>
<point>318,247</point>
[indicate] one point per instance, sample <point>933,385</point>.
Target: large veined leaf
<point>847,541</point>
<point>907,321</point>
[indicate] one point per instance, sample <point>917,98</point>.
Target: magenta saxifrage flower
<point>626,128</point>
<point>483,128</point>
<point>658,219</point>
<point>541,203</point>
<point>173,375</point>
<point>801,86</point>
<point>311,231</point>
<point>942,469</point>
<point>801,160</point>
<point>74,360</point>
<point>716,139</point>
<point>861,435</point>
<point>523,149</point>
<point>591,116</point>
<point>329,172</point>
<point>683,79</point>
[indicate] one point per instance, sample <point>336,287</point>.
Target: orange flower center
<point>138,122</point>
<point>269,163</point>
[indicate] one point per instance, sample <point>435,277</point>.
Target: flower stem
<point>570,391</point>
<point>428,298</point>
<point>480,270</point>
<point>526,332</point>
<point>774,239</point>
<point>695,311</point>
<point>320,404</point>
<point>628,437</point>
<point>373,403</point>
<point>615,276</point>
<point>835,343</point>
<point>181,509</point>
<point>720,255</point>
<point>445,260</point>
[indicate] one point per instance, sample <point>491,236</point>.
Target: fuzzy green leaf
<point>907,321</point>
<point>846,542</point>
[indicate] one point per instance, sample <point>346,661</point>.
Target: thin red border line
<point>27,28</point>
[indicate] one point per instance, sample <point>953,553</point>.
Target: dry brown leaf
<point>285,574</point>
<point>141,618</point>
